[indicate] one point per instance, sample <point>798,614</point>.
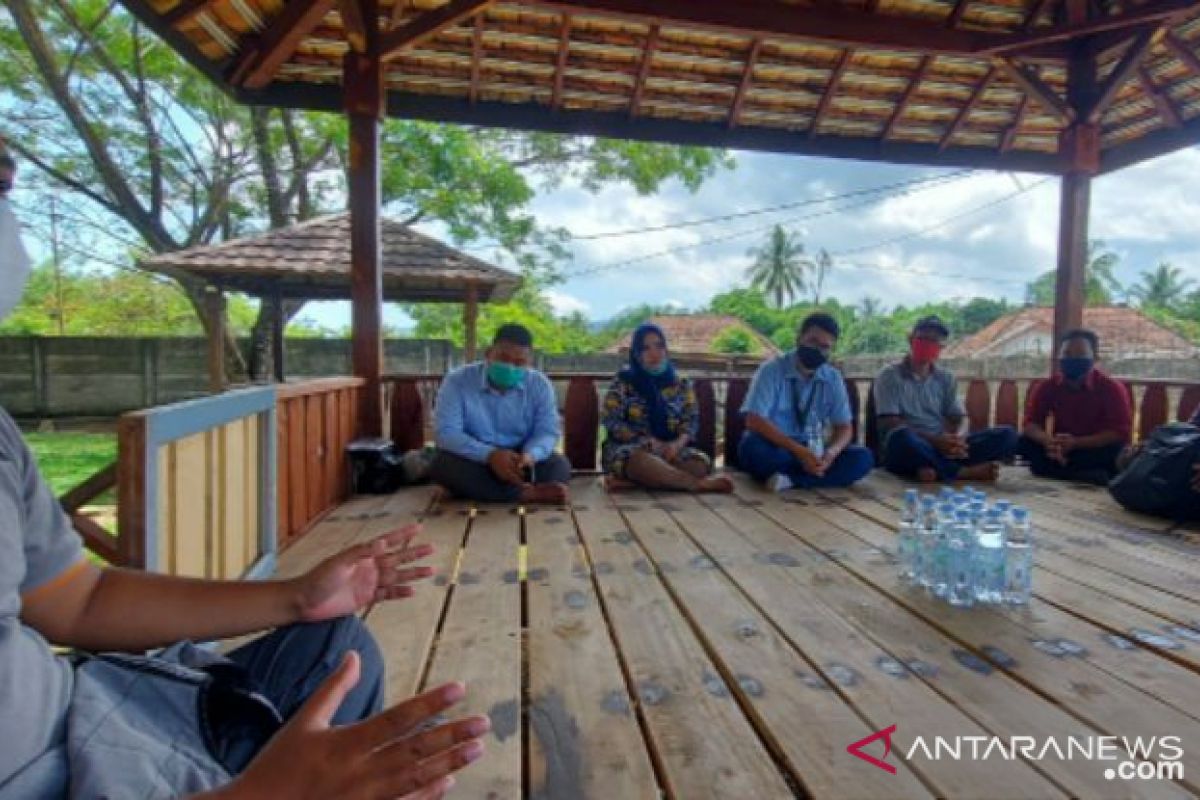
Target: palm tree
<point>779,266</point>
<point>869,307</point>
<point>821,269</point>
<point>1101,287</point>
<point>1165,287</point>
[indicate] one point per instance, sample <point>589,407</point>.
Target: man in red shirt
<point>1077,422</point>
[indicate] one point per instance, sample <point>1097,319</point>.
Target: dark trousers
<point>287,665</point>
<point>905,452</point>
<point>471,480</point>
<point>1094,465</point>
<point>762,459</point>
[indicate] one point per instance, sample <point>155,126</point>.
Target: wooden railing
<point>196,486</point>
<point>316,420</point>
<point>95,537</point>
<point>411,399</point>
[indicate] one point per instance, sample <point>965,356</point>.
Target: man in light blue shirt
<point>793,400</point>
<point>497,426</point>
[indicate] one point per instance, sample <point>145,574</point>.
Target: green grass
<point>68,459</point>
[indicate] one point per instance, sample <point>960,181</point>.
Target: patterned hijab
<point>647,385</point>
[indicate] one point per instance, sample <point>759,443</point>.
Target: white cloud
<point>564,303</point>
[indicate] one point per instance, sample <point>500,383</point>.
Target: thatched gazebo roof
<point>948,82</point>
<point>311,261</point>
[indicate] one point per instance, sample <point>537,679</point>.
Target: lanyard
<point>802,415</point>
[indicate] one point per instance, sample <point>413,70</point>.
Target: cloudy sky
<point>979,234</point>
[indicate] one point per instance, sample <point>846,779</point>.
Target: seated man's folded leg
<point>555,468</point>
<point>1096,465</point>
<point>762,460</point>
<point>992,444</point>
<point>851,466</point>
<point>1040,464</point>
<point>289,663</point>
<point>470,480</point>
<point>908,455</point>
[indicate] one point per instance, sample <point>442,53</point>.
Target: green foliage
<point>1165,288</point>
<point>68,459</point>
<point>736,340</point>
<point>122,303</point>
<point>1101,285</point>
<point>630,318</point>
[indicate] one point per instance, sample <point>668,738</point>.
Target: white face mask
<point>14,261</point>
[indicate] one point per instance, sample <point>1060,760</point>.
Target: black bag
<point>375,466</point>
<point>1159,479</point>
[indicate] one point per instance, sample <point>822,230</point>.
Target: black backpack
<point>1158,480</point>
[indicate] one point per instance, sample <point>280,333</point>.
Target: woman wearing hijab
<point>650,418</point>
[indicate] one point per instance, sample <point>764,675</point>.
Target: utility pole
<point>58,291</point>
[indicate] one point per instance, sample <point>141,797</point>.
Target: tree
<point>869,307</point>
<point>630,318</point>
<point>821,269</point>
<point>978,313</point>
<point>1165,288</point>
<point>736,340</point>
<point>779,266</point>
<point>153,157</point>
<point>1101,287</point>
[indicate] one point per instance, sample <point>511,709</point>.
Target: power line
<point>759,228</point>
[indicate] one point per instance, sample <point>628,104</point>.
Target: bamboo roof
<point>987,83</point>
<point>311,261</point>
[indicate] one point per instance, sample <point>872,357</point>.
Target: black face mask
<point>810,357</point>
<point>5,186</point>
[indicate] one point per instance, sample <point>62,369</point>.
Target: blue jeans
<point>288,664</point>
<point>762,459</point>
<point>905,452</point>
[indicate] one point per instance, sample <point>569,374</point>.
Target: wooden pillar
<point>214,309</point>
<point>1080,149</point>
<point>364,98</point>
<point>277,341</point>
<point>470,318</point>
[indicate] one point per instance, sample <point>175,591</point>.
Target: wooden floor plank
<point>480,644</point>
<point>405,629</point>
<point>1081,497</point>
<point>703,742</point>
<point>1080,557</point>
<point>584,738</point>
<point>1142,668</point>
<point>1054,558</point>
<point>1086,691</point>
<point>764,669</point>
<point>865,641</point>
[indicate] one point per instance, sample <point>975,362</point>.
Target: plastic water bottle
<point>989,558</point>
<point>1018,558</point>
<point>910,522</point>
<point>926,541</point>
<point>977,509</point>
<point>1005,508</point>
<point>961,592</point>
<point>815,434</point>
<point>939,560</point>
<point>946,495</point>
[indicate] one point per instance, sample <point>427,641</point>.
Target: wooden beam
<point>397,17</point>
<point>1037,89</point>
<point>830,90</point>
<point>739,97</point>
<point>470,319</point>
<point>1010,133</point>
<point>97,539</point>
<point>560,64</point>
<point>1035,13</point>
<point>1183,51</point>
<point>84,493</point>
<point>476,56</point>
<point>1138,48</point>
<point>363,79</point>
<point>967,108</point>
<point>1150,12</point>
<point>839,26</point>
<point>186,11</point>
<point>639,86</point>
<point>353,24</point>
<point>278,341</point>
<point>956,13</point>
<point>265,53</point>
<point>909,92</point>
<point>1069,289</point>
<point>429,25</point>
<point>214,309</point>
<point>1162,103</point>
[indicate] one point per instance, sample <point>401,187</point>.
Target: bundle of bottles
<point>963,550</point>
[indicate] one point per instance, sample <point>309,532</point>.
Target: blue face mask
<point>1075,368</point>
<point>504,375</point>
<point>658,369</point>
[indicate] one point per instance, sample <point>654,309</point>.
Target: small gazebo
<point>311,261</point>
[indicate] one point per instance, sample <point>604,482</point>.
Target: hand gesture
<point>951,445</point>
<point>390,755</point>
<point>506,465</point>
<point>349,581</point>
